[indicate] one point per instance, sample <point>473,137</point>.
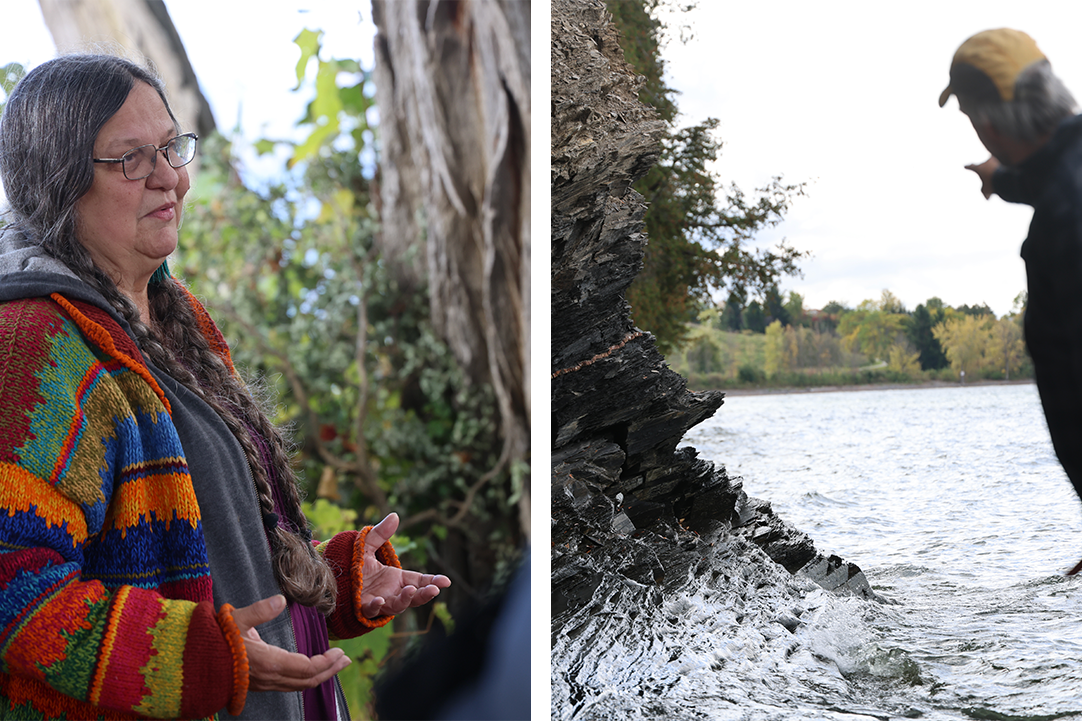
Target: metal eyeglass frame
<point>154,163</point>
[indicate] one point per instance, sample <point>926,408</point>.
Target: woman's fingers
<point>420,580</point>
<point>372,607</point>
<point>259,612</point>
<point>274,669</point>
<point>407,597</point>
<point>390,591</point>
<point>381,532</point>
<point>389,605</point>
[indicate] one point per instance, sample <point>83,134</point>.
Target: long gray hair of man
<point>1041,101</point>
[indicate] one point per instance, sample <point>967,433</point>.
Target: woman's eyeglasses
<point>139,163</point>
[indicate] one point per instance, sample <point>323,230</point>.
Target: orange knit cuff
<point>388,557</point>
<point>240,659</point>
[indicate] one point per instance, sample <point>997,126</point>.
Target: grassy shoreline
<point>756,391</point>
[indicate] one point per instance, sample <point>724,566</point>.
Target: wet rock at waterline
<point>658,532</point>
<point>632,515</point>
<point>794,549</point>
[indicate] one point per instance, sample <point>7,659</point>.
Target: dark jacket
<point>1050,181</point>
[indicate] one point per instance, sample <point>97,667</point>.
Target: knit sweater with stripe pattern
<point>106,604</point>
<point>105,591</point>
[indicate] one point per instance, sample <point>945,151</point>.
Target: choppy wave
<point>952,503</point>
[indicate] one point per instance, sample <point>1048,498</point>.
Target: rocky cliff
<point>635,519</point>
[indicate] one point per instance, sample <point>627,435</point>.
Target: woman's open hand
<point>274,669</point>
<point>387,590</point>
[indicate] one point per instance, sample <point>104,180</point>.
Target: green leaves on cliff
<point>699,232</point>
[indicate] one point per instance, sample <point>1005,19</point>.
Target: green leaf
<point>367,653</point>
<point>324,111</point>
<point>309,43</point>
<point>349,65</point>
<point>328,518</point>
<point>328,101</point>
<point>354,102</point>
<point>10,75</point>
<point>265,146</point>
<point>440,611</point>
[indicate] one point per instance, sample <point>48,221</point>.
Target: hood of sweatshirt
<point>27,271</point>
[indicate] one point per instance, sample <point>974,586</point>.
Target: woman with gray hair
<point>149,519</point>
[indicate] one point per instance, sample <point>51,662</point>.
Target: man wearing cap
<point>1025,117</point>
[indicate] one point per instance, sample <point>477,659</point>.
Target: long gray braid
<point>176,345</point>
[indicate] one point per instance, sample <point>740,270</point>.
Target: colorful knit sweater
<point>105,590</point>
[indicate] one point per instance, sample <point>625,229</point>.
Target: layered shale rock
<point>631,512</point>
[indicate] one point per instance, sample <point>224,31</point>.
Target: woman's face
<point>130,226</point>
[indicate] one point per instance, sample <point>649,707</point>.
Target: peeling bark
<point>453,87</point>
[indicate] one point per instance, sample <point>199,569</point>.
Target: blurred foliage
<point>328,518</point>
<point>343,96</point>
<point>382,416</point>
<point>367,652</point>
<point>10,74</point>
<point>964,340</point>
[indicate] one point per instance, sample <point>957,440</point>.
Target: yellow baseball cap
<point>993,55</point>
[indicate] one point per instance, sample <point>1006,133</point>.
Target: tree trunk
<point>453,87</point>
<point>133,28</point>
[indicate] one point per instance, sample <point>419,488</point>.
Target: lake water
<point>952,502</point>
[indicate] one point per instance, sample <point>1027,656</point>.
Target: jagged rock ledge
<point>628,506</point>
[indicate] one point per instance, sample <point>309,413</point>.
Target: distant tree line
<point>780,342</point>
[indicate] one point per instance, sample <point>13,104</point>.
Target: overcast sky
<point>844,95</point>
<point>242,52</point>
